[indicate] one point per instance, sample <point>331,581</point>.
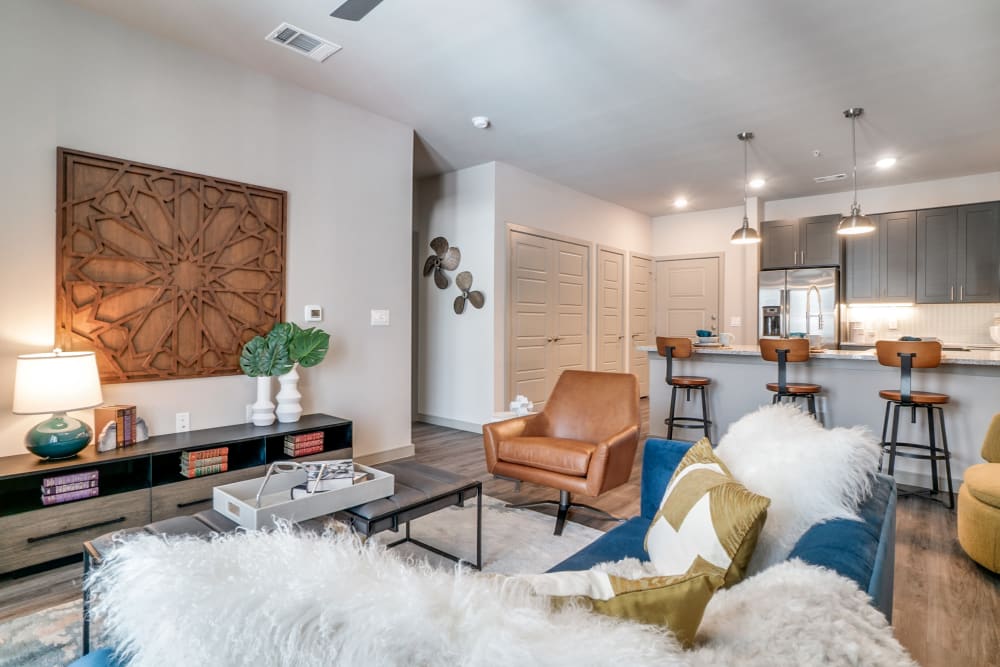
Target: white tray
<point>237,501</point>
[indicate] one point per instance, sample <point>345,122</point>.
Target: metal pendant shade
<point>746,234</point>
<point>855,223</point>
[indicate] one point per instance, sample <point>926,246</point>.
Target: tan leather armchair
<point>584,441</point>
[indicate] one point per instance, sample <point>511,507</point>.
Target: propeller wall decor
<point>445,258</point>
<point>464,282</point>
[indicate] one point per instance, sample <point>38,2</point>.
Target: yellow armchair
<point>979,504</point>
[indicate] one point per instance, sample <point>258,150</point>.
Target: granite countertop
<point>958,358</point>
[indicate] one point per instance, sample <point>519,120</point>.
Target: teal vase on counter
<point>58,437</point>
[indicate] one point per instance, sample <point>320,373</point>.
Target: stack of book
<point>122,416</point>
<point>71,486</point>
<point>304,444</point>
<point>204,462</point>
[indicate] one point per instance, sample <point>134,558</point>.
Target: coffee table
<point>419,490</point>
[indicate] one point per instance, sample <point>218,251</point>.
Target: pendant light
<point>855,223</point>
<point>745,234</point>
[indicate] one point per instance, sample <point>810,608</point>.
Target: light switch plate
<point>380,317</point>
<point>314,314</point>
<point>735,321</point>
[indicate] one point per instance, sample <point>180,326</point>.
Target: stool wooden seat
<point>783,351</point>
<point>681,348</point>
<point>907,355</point>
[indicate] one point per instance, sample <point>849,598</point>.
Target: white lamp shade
<point>56,382</point>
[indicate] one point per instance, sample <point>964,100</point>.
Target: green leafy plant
<point>284,346</point>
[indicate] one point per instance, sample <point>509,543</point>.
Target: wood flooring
<point>945,607</point>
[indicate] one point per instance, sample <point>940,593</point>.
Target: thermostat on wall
<point>314,313</point>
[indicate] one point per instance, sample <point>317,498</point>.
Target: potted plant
<point>278,353</point>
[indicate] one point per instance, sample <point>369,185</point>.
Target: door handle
<point>952,294</point>
<point>961,292</point>
<point>620,337</point>
<point>557,339</point>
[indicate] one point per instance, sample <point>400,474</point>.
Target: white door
<point>610,311</point>
<point>687,296</point>
<point>549,313</point>
<point>640,317</point>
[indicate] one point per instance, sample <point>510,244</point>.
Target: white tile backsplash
<point>964,323</point>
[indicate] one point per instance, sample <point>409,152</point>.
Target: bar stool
<point>907,355</point>
<point>680,348</point>
<point>784,351</point>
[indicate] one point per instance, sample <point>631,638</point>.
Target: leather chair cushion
<point>561,455</point>
<point>983,482</point>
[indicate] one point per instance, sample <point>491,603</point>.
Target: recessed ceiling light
<point>885,162</point>
<point>757,183</point>
<point>480,122</point>
<point>680,202</point>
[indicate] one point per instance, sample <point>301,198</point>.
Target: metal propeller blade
<point>464,281</point>
<point>476,298</point>
<point>354,10</point>
<point>429,265</point>
<point>440,279</point>
<point>451,259</point>
<point>459,304</point>
<point>440,245</point>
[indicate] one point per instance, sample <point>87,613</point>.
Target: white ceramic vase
<point>289,408</point>
<point>263,409</point>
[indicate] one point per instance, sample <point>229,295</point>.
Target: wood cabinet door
<point>779,247</point>
<point>897,239</point>
<point>861,268</point>
<point>937,242</point>
<point>819,244</point>
<point>978,261</point>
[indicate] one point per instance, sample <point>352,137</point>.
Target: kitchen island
<point>851,380</point>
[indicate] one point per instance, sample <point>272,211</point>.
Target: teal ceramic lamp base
<point>58,437</point>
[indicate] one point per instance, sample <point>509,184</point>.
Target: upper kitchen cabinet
<point>802,242</point>
<point>958,250</point>
<point>881,267</point>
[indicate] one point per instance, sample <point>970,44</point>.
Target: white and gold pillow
<point>707,521</point>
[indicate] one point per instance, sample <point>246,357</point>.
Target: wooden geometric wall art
<point>164,274</point>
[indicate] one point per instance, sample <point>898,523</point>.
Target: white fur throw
<point>304,600</point>
<point>811,474</point>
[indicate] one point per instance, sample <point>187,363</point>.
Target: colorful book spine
<point>197,463</point>
<point>201,471</point>
<point>70,478</point>
<point>303,451</point>
<point>302,438</point>
<point>66,488</point>
<point>58,498</point>
<point>200,454</point>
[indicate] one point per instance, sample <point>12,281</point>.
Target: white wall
<point>455,352</point>
<point>700,232</point>
<point>462,359</point>
<point>112,90</point>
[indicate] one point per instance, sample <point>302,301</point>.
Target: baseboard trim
<point>387,455</point>
<point>457,424</point>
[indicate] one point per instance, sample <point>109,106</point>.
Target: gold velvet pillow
<point>707,522</point>
<point>677,603</point>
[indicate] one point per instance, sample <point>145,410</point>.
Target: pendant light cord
<point>745,149</point>
<point>854,151</point>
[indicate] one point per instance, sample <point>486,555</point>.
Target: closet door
<point>610,311</point>
<point>640,317</point>
<point>570,345</point>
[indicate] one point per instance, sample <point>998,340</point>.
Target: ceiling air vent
<point>831,177</point>
<point>302,42</point>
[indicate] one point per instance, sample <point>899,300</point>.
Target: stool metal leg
<point>704,410</point>
<point>812,404</point>
<point>895,433</point>
<point>670,419</point>
<point>947,460</point>
<point>933,445</point>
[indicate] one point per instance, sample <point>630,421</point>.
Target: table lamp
<point>57,382</point>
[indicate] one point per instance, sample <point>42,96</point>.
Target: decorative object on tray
<point>445,258</point>
<point>56,382</point>
<point>277,354</point>
<point>70,486</point>
<point>203,462</point>
<point>164,273</point>
<point>107,440</point>
<point>521,406</point>
<point>464,283</point>
<point>304,444</point>
<point>124,420</point>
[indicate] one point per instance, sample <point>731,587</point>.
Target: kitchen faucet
<point>819,305</point>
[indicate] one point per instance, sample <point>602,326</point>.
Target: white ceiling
<point>639,101</point>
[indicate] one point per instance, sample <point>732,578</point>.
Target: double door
<point>800,242</point>
<point>549,313</point>
<point>880,267</point>
<point>958,250</point>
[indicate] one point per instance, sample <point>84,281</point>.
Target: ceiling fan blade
<point>440,245</point>
<point>464,281</point>
<point>476,298</point>
<point>459,304</point>
<point>440,279</point>
<point>451,259</point>
<point>430,264</point>
<point>354,10</point>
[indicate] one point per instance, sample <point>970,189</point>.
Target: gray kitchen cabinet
<point>881,267</point>
<point>800,242</point>
<point>958,249</point>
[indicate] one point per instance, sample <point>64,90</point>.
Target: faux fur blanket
<point>311,600</point>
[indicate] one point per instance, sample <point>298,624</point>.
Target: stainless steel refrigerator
<point>800,301</point>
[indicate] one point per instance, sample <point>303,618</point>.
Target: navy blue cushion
<point>102,657</point>
<point>659,460</point>
<point>621,542</point>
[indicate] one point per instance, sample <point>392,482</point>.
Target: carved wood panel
<point>163,273</point>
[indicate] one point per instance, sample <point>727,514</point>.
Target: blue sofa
<point>863,551</point>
